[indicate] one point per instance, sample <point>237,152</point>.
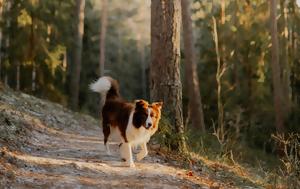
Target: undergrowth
<point>274,172</point>
<point>290,160</point>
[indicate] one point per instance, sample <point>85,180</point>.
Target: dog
<point>131,124</point>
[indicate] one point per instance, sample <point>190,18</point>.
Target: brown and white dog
<point>131,124</point>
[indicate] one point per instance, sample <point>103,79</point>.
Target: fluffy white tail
<point>102,85</point>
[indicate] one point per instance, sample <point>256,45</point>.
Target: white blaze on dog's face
<point>149,121</point>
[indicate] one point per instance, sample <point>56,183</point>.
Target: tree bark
<point>277,82</point>
<point>18,76</point>
<point>143,74</point>
<point>33,75</point>
<point>286,66</point>
<point>75,75</point>
<point>32,54</point>
<point>165,56</point>
<point>103,37</point>
<point>223,14</point>
<point>293,50</point>
<point>1,10</point>
<point>7,22</point>
<point>195,104</point>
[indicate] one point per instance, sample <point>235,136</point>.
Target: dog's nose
<point>149,125</point>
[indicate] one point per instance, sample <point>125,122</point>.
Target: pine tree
<point>76,67</point>
<point>191,76</point>
<point>165,56</point>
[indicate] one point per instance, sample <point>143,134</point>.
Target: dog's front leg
<point>126,153</point>
<point>143,153</point>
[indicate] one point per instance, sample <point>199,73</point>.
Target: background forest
<point>41,54</point>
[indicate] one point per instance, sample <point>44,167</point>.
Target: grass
<point>235,159</point>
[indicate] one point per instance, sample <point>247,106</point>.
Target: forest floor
<point>44,145</point>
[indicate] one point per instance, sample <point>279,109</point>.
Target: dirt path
<point>73,159</point>
<point>66,150</point>
<point>77,158</point>
<point>44,145</point>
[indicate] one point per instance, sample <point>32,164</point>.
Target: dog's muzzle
<point>148,125</point>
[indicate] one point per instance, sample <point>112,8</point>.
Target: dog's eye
<point>152,115</point>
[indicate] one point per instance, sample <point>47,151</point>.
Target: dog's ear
<point>141,103</point>
<point>157,105</point>
<point>139,117</point>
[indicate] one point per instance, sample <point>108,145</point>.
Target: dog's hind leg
<point>106,133</point>
<point>123,152</point>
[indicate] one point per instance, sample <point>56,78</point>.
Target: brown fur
<point>116,112</point>
<point>155,115</point>
<point>136,122</point>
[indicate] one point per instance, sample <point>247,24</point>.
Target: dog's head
<point>147,115</point>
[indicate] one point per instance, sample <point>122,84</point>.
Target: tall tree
<point>223,15</point>
<point>286,67</point>
<point>1,10</point>
<point>76,67</point>
<point>31,55</point>
<point>195,104</point>
<point>7,8</point>
<point>141,50</point>
<point>165,56</point>
<point>103,36</point>
<point>18,67</point>
<point>277,82</point>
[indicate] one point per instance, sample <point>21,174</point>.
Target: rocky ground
<point>44,145</point>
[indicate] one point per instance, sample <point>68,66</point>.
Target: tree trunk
<point>277,83</point>
<point>6,44</point>
<point>221,68</point>
<point>6,80</point>
<point>18,76</point>
<point>286,66</point>
<point>195,104</point>
<point>33,75</point>
<point>223,14</point>
<point>293,50</point>
<point>103,37</point>
<point>165,56</point>
<point>143,74</point>
<point>1,10</point>
<point>141,50</point>
<point>75,75</point>
<point>32,54</point>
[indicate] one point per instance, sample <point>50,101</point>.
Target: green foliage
<point>166,136</point>
<point>41,34</point>
<point>247,83</point>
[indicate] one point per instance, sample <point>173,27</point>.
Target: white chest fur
<point>135,135</point>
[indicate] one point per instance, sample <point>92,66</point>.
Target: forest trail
<point>56,148</point>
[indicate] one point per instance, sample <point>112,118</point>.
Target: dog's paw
<point>108,153</point>
<point>140,156</point>
<point>130,164</point>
